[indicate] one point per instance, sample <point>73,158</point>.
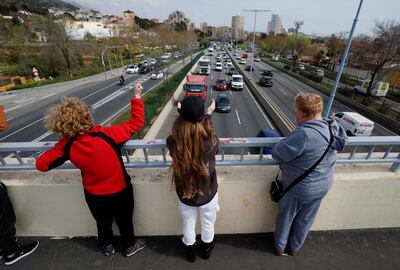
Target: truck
<point>196,86</point>
<point>205,66</point>
<point>245,55</point>
<point>379,89</point>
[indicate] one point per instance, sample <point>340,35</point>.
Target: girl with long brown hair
<point>193,146</point>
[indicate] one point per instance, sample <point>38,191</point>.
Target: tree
<point>180,26</point>
<point>297,45</point>
<point>335,47</point>
<point>383,50</point>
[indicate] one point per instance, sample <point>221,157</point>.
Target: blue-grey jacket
<point>301,149</point>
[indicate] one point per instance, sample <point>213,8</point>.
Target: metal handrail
<point>22,155</point>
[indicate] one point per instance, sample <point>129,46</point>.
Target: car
<point>242,61</point>
<point>229,62</point>
<point>131,69</point>
<point>354,123</point>
<point>223,103</point>
<point>232,70</point>
<point>237,82</point>
<point>238,57</point>
<point>153,61</point>
<point>218,66</point>
<point>267,73</point>
<point>218,57</point>
<point>221,84</point>
<point>144,69</point>
<point>248,67</point>
<point>257,59</point>
<point>301,67</point>
<point>266,81</point>
<point>275,58</point>
<point>157,76</point>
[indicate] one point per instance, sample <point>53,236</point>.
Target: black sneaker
<point>22,251</point>
<point>139,245</point>
<point>108,250</point>
<point>1,254</point>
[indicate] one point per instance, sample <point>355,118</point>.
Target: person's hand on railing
<point>138,90</point>
<point>211,108</point>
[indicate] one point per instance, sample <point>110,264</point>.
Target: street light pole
<point>254,36</point>
<point>342,63</point>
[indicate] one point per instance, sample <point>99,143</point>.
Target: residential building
<point>78,30</point>
<point>177,17</point>
<point>211,31</point>
<point>238,27</point>
<point>275,26</point>
<point>224,32</point>
<point>203,27</point>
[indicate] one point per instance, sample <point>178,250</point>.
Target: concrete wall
<point>52,204</point>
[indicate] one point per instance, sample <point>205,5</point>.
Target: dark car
<point>267,73</point>
<point>221,84</point>
<point>232,71</point>
<point>144,70</point>
<point>266,81</point>
<point>288,67</point>
<point>248,67</point>
<point>223,103</point>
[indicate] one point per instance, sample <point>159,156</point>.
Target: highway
<point>285,89</point>
<point>25,109</point>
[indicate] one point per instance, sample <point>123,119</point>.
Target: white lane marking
<point>46,96</point>
<point>126,107</point>
<point>107,99</point>
<point>9,119</point>
<point>230,92</point>
<point>282,91</point>
<point>211,89</point>
<point>48,133</point>
<point>238,118</point>
<point>114,83</point>
<point>22,100</point>
<point>258,106</point>
<point>31,124</point>
<point>10,109</point>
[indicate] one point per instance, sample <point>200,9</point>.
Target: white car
<point>218,66</point>
<point>157,76</point>
<point>301,67</point>
<point>153,61</point>
<point>218,57</point>
<point>237,82</point>
<point>242,61</point>
<point>238,57</point>
<point>257,59</point>
<point>131,69</point>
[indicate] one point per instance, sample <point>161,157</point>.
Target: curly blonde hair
<point>70,118</point>
<point>309,104</point>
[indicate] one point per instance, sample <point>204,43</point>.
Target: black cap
<point>192,109</point>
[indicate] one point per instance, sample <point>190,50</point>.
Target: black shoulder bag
<point>276,190</point>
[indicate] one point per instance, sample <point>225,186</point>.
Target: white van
<point>379,89</point>
<point>354,123</point>
<point>237,82</point>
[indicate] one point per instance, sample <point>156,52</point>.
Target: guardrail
<point>233,152</point>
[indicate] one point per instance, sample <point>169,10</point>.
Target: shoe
<point>280,253</point>
<point>108,250</point>
<point>293,253</point>
<point>1,254</point>
<point>190,252</point>
<point>139,245</point>
<point>206,249</point>
<point>21,251</point>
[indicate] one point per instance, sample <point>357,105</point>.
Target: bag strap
<point>110,141</point>
<point>306,173</point>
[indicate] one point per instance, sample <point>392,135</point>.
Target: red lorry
<point>245,55</point>
<point>196,86</point>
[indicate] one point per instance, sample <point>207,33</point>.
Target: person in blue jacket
<point>297,153</point>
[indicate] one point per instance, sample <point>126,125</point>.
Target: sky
<point>322,17</point>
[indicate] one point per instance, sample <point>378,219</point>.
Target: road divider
<point>278,117</point>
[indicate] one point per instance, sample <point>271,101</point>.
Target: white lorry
<point>379,89</point>
<point>205,66</point>
<point>354,123</point>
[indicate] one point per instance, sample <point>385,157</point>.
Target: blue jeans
<point>295,216</point>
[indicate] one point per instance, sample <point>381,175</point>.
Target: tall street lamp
<point>254,36</point>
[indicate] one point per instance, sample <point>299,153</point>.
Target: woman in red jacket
<point>95,150</point>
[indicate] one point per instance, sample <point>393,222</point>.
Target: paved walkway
<point>354,249</point>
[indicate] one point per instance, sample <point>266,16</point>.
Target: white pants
<point>208,215</point>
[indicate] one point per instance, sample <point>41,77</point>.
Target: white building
<point>78,29</point>
<point>177,17</point>
<point>275,26</point>
<point>238,27</point>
